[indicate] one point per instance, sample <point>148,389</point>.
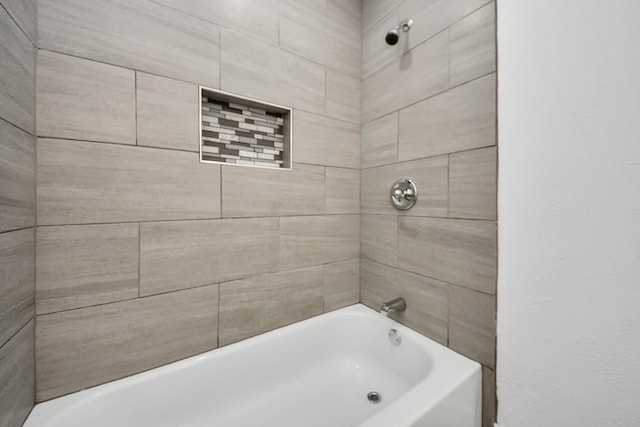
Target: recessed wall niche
<point>240,131</point>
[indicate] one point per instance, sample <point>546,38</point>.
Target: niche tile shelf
<point>245,132</point>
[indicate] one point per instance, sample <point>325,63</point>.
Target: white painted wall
<point>569,213</point>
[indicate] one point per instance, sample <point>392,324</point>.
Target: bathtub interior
<point>314,373</point>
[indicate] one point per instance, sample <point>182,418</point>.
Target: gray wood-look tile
<point>81,348</point>
<point>167,113</point>
<point>82,99</point>
<point>376,53</point>
<point>258,70</point>
<point>432,16</point>
<point>313,33</point>
<point>82,183</point>
<point>489,404</point>
<point>83,265</point>
<point>473,184</point>
<point>379,141</point>
<point>374,10</point>
<point>343,96</point>
<point>142,35</point>
<point>321,140</point>
<point>460,119</point>
<point>342,195</point>
<point>462,252</point>
<point>341,284</point>
<point>184,254</point>
<point>17,74</point>
<point>252,306</point>
<point>430,176</point>
<point>473,45</point>
<point>426,298</point>
<point>17,377</point>
<point>312,240</point>
<point>24,13</point>
<point>418,74</point>
<point>472,324</point>
<point>379,238</point>
<point>249,192</point>
<point>253,18</point>
<point>17,178</point>
<point>17,292</point>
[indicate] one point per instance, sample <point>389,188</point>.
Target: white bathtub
<point>315,373</point>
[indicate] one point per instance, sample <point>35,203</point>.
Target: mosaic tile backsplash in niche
<point>242,132</point>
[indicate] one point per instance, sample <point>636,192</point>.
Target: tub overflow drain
<point>374,397</point>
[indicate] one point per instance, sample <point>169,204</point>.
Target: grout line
<point>219,67</point>
<point>450,88</point>
<point>429,157</point>
<point>18,331</point>
<point>448,184</point>
<point>427,277</point>
<point>32,43</point>
<point>218,328</point>
<point>240,218</point>
<point>17,229</point>
<point>135,104</point>
<point>18,127</point>
<point>139,257</point>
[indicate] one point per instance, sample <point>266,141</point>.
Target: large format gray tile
<point>17,178</point>
<point>473,184</point>
<point>252,306</point>
<point>343,96</point>
<point>167,113</point>
<point>24,13</point>
<point>253,18</point>
<point>17,75</point>
<point>321,140</point>
<point>489,403</point>
<point>81,99</point>
<point>473,45</point>
<point>430,176</point>
<point>258,70</point>
<point>342,194</point>
<point>341,284</point>
<point>379,238</point>
<point>184,254</point>
<point>460,119</point>
<point>311,240</point>
<point>472,324</point>
<point>462,252</point>
<point>142,35</point>
<point>83,265</point>
<point>17,377</point>
<point>82,183</point>
<point>432,16</point>
<point>379,141</point>
<point>418,74</point>
<point>311,32</point>
<point>17,292</point>
<point>81,348</point>
<point>248,192</point>
<point>426,298</point>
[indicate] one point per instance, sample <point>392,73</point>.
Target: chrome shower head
<point>393,35</point>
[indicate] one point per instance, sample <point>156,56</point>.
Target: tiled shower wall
<point>146,256</point>
<point>429,113</point>
<point>17,209</point>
